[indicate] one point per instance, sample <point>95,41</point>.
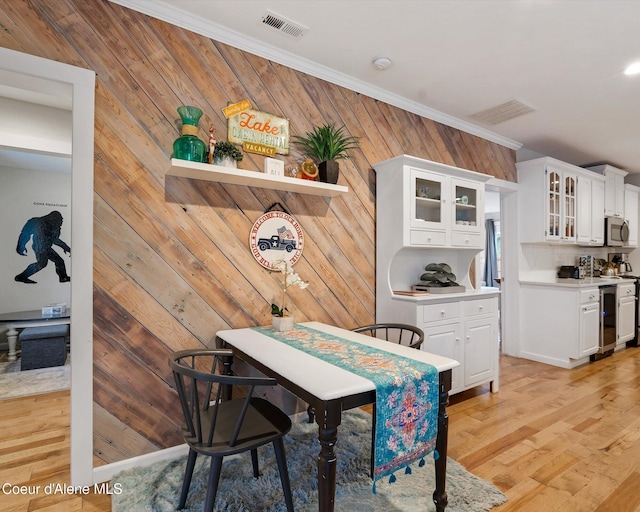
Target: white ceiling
<point>455,58</point>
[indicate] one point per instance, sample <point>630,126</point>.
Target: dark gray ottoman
<point>43,346</point>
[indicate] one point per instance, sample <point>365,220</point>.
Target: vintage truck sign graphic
<point>274,236</point>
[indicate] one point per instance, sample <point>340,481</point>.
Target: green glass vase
<point>188,146</point>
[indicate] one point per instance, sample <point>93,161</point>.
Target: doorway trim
<point>509,316</point>
<point>81,84</point>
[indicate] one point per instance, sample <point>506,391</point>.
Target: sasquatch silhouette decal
<point>44,233</point>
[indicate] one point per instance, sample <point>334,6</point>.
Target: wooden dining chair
<point>403,334</point>
<point>216,425</point>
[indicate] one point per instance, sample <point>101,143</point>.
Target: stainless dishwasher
<point>608,307</point>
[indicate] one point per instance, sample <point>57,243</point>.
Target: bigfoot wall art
<point>44,233</point>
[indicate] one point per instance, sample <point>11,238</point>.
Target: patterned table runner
<point>406,394</point>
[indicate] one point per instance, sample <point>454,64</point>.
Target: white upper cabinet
<point>561,203</point>
<point>428,206</point>
<point>597,212</point>
<point>435,204</point>
<point>613,188</point>
<point>590,216</point>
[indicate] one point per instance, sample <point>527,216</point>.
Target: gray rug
<point>15,383</point>
<point>157,488</point>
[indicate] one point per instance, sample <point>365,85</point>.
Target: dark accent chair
<point>217,425</point>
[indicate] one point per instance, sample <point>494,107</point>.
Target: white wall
<point>35,127</point>
<point>25,194</point>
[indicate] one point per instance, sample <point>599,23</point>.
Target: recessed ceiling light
<point>632,69</point>
<point>381,63</point>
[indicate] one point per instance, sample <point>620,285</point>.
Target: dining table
<point>32,318</point>
<point>329,390</point>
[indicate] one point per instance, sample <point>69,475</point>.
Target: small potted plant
<point>227,154</point>
<point>281,320</point>
<point>327,144</point>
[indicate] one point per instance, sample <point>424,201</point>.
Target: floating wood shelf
<point>201,171</point>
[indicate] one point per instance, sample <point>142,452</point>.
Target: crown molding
<point>183,19</point>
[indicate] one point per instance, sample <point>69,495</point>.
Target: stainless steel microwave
<point>616,232</point>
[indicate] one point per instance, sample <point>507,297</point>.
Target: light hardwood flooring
<point>550,439</point>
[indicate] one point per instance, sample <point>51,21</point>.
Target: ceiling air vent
<point>283,25</point>
<point>502,113</point>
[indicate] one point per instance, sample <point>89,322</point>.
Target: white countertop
<point>322,379</point>
<point>446,297</point>
<point>589,282</point>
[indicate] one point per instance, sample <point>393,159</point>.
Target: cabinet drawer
<point>466,239</point>
<point>587,296</point>
<point>419,237</point>
<point>444,311</point>
<point>480,307</point>
<point>626,290</point>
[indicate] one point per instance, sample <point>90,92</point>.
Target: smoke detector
<point>381,63</point>
<point>283,25</point>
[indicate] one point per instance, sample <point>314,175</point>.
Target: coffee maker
<point>621,261</point>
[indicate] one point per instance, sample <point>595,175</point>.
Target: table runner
<point>406,394</point>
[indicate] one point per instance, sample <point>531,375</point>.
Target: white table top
<point>320,378</point>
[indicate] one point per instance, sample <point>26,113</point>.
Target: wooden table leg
<point>440,494</point>
<point>328,420</point>
<point>227,362</point>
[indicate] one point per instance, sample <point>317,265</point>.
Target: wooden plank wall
<point>171,262</point>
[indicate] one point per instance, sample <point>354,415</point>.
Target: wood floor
<point>551,440</point>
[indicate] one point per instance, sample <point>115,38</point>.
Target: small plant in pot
<point>227,154</point>
<point>327,144</point>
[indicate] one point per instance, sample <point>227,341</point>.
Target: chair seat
<point>263,421</point>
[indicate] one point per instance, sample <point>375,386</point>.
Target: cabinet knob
<point>442,313</point>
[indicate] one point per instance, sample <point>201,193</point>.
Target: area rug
<point>157,487</point>
<point>15,383</point>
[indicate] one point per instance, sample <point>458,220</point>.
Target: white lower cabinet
<point>445,340</point>
<point>626,313</point>
<point>559,325</point>
<point>589,329</point>
<point>479,351</point>
<point>466,331</point>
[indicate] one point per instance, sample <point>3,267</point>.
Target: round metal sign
<point>276,236</point>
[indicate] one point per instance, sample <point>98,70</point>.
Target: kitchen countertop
<point>589,282</point>
<point>469,294</point>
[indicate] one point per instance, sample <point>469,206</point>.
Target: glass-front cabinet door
<point>570,211</point>
<point>561,206</point>
<point>428,193</point>
<point>468,205</point>
<point>554,188</point>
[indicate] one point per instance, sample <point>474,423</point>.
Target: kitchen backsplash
<point>541,262</point>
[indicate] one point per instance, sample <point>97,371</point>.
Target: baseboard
<point>107,472</point>
<point>546,359</point>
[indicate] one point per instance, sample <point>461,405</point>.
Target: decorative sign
<point>260,149</point>
<point>236,108</point>
<point>274,167</point>
<point>274,236</point>
<point>259,132</point>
